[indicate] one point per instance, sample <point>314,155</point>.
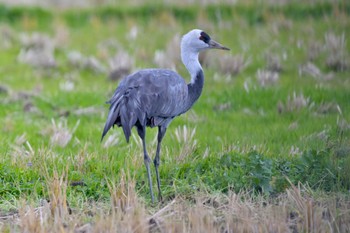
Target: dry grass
<point>294,103</point>
<point>121,64</point>
<point>37,50</point>
<point>112,139</point>
<point>59,133</point>
<point>185,137</point>
<point>171,56</point>
<point>314,50</point>
<point>227,64</point>
<point>274,63</point>
<point>7,37</point>
<point>293,211</point>
<point>267,78</point>
<point>21,151</point>
<point>77,60</point>
<point>337,58</point>
<point>310,69</point>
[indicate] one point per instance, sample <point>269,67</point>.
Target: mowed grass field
<point>265,149</point>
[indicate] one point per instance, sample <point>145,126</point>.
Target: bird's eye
<point>204,37</point>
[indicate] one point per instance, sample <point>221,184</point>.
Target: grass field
<point>265,149</point>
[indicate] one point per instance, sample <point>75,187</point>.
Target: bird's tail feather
<point>124,118</point>
<point>112,116</point>
<point>123,109</point>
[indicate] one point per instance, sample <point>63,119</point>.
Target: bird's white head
<point>191,44</point>
<point>197,40</point>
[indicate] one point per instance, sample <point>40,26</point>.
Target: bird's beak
<point>215,45</point>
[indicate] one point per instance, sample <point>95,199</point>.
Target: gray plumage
<point>153,97</point>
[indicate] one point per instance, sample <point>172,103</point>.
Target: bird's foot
<point>160,197</point>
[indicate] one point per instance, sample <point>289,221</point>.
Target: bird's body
<point>153,97</point>
<point>141,91</point>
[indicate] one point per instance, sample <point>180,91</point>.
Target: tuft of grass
<point>120,65</point>
<point>185,137</point>
<point>311,69</point>
<point>171,56</point>
<point>337,56</point>
<point>90,63</point>
<point>267,78</point>
<point>59,133</point>
<point>273,63</point>
<point>37,50</point>
<point>226,64</point>
<point>294,103</point>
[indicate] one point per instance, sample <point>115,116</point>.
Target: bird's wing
<point>157,92</point>
<point>152,97</point>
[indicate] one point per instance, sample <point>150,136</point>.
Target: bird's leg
<point>161,133</point>
<point>147,160</point>
<point>141,131</point>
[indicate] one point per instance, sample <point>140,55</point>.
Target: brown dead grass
<point>297,210</point>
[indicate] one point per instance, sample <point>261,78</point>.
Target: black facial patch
<point>204,37</point>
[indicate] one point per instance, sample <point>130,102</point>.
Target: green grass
<point>249,145</point>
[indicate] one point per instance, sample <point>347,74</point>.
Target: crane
<point>154,97</point>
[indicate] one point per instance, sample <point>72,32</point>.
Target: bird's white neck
<point>195,87</point>
<point>190,60</point>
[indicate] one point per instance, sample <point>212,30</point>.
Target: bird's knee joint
<point>146,159</point>
<point>156,162</point>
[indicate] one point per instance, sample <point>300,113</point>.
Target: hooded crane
<point>154,97</point>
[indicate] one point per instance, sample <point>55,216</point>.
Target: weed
<point>227,64</point>
<point>59,133</point>
<point>314,50</point>
<point>120,65</point>
<point>37,50</point>
<point>267,78</point>
<point>273,63</point>
<point>112,140</point>
<point>337,57</point>
<point>294,103</point>
<point>22,151</point>
<point>185,137</point>
<point>311,69</point>
<point>76,59</point>
<point>171,56</point>
<point>7,36</point>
